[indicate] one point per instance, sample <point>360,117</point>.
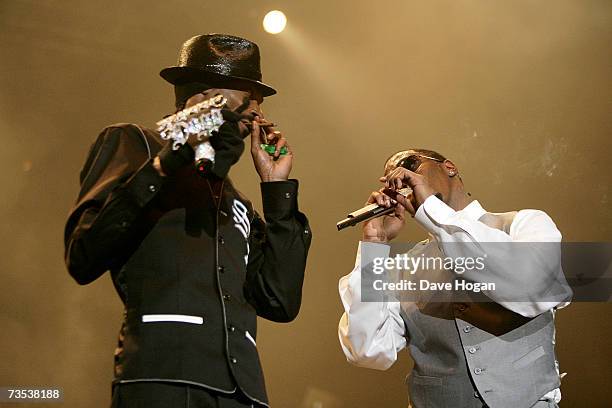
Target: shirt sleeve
<point>112,212</point>
<point>524,264</point>
<point>278,250</point>
<point>371,333</point>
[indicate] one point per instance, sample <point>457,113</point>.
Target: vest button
<point>232,329</point>
<point>221,268</point>
<point>152,188</point>
<point>233,360</point>
<point>221,240</point>
<point>467,329</point>
<point>472,350</point>
<point>478,371</point>
<point>227,298</point>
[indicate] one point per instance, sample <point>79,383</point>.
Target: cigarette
<point>263,125</point>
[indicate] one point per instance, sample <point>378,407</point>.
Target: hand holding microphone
<point>384,213</point>
<point>208,132</point>
<point>383,229</point>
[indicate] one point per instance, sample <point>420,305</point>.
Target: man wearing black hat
<point>193,263</point>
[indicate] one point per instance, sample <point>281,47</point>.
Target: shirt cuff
<point>372,250</point>
<point>279,198</point>
<point>433,211</point>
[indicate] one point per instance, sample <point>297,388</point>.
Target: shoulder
<point>127,139</point>
<point>531,215</point>
<point>537,223</point>
<point>129,133</point>
<point>125,142</point>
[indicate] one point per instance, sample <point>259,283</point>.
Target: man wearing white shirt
<point>495,349</point>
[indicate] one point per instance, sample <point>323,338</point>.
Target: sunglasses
<point>414,161</point>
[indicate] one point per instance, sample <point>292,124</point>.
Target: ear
<point>450,168</point>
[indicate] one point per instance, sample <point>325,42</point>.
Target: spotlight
<point>274,22</point>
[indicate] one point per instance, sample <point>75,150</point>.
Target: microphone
<point>370,211</point>
<point>200,121</point>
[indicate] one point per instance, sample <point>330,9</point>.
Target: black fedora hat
<point>213,58</point>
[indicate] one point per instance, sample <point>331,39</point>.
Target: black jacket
<point>175,253</point>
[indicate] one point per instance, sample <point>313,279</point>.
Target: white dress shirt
<point>372,333</point>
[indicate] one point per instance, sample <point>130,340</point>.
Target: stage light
<point>274,22</point>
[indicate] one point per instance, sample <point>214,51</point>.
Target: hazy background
<point>517,93</point>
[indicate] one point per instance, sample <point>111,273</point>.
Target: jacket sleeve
<point>278,250</point>
<point>118,183</point>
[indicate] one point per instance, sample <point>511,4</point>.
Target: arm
<point>114,206</point>
<point>278,250</point>
<point>525,264</point>
<point>279,246</point>
<point>371,333</point>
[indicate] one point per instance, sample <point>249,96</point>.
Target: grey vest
<point>473,351</point>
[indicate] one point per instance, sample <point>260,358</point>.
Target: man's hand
<point>400,178</point>
<point>238,101</point>
<point>227,142</point>
<point>383,229</point>
<point>274,167</point>
<point>235,100</point>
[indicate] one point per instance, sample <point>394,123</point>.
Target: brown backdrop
<point>517,93</point>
